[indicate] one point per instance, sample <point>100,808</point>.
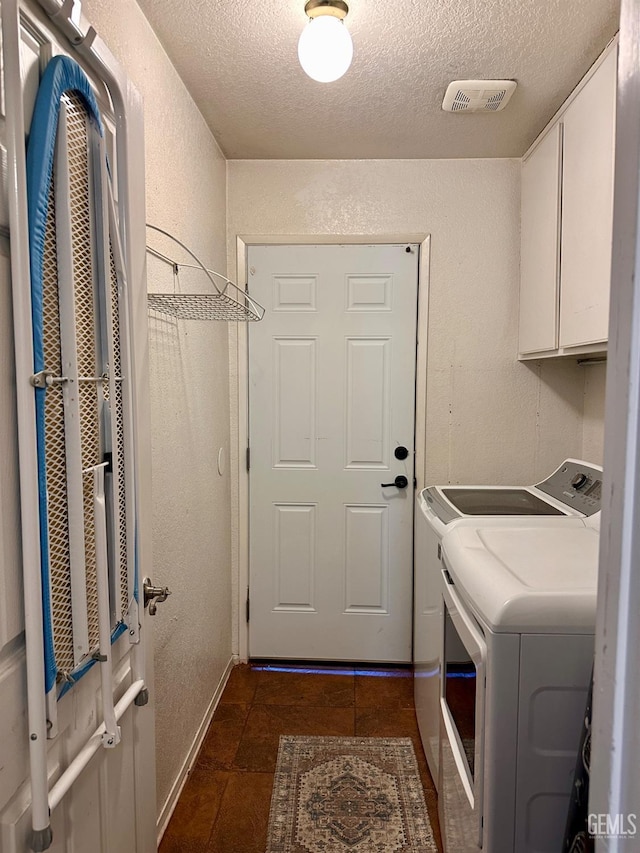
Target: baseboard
<point>176,789</point>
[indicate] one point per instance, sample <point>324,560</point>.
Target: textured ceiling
<point>238,58</point>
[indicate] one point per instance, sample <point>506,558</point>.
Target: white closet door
<point>111,806</point>
<point>332,396</point>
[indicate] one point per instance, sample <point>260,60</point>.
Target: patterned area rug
<point>348,795</point>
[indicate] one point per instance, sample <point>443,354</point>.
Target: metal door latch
<point>154,595</point>
<point>400,482</point>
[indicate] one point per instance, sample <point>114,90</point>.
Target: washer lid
<point>526,579</point>
<point>470,500</point>
<point>448,503</point>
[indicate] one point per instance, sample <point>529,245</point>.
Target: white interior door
<point>331,402</point>
<point>110,808</point>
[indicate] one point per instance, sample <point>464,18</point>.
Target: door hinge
<point>248,458</point>
<point>248,607</point>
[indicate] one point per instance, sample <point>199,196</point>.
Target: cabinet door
<point>587,209</point>
<point>540,233</point>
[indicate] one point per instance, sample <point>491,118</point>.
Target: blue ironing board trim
<point>61,75</point>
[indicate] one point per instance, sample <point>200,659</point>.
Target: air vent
<point>471,96</point>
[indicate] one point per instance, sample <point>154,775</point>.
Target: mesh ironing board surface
<point>78,327</point>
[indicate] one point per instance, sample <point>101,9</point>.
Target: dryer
<point>522,602</point>
<point>571,494</point>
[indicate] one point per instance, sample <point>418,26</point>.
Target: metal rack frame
<point>227,303</point>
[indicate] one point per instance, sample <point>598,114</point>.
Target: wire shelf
<point>227,302</point>
<point>204,306</point>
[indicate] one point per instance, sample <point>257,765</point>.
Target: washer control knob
<point>579,481</point>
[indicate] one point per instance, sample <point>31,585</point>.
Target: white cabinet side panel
<point>555,671</point>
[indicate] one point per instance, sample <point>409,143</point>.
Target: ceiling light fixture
<point>325,48</point>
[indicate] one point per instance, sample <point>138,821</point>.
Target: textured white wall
<point>594,399</point>
<point>490,419</point>
<point>186,194</point>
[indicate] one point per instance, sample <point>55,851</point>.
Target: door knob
<point>400,482</point>
<point>401,452</point>
<point>154,595</point>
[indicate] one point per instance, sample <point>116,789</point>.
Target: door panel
<point>367,404</point>
<point>11,614</point>
<point>294,539</point>
<point>111,806</point>
<point>294,425</point>
<point>366,559</point>
<point>331,395</point>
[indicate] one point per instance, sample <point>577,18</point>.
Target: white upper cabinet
<point>566,223</point>
<point>587,209</point>
<point>540,248</point>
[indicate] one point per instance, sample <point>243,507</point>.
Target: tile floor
<point>224,807</point>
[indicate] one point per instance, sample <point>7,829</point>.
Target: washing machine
<point>521,601</point>
<point>570,495</point>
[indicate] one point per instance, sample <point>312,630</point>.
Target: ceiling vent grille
<point>471,96</point>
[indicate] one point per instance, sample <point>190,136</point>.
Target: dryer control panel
<point>577,484</point>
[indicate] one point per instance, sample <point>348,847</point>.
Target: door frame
<point>239,359</point>
<point>615,775</point>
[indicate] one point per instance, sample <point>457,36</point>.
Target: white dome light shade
<point>325,49</point>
